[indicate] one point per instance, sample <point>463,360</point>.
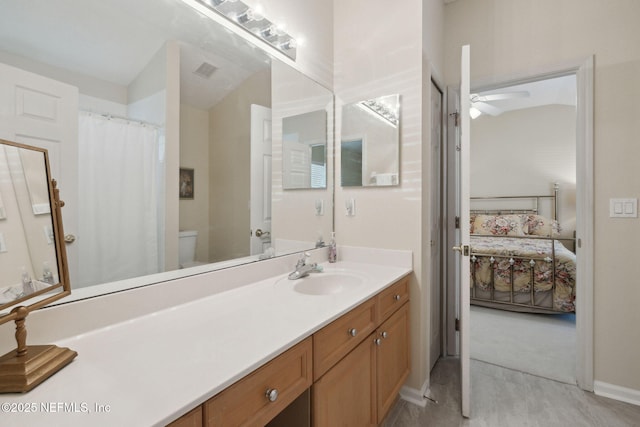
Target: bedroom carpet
<point>538,344</point>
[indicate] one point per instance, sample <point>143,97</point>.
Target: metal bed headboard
<point>533,210</point>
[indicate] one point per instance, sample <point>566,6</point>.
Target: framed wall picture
<point>186,184</point>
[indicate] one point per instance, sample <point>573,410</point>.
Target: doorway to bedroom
<point>523,222</point>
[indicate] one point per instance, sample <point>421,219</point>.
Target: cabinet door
<point>345,395</point>
<point>393,362</point>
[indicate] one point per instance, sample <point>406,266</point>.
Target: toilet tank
<point>187,246</point>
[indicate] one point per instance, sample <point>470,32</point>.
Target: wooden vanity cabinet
<point>361,388</point>
<point>357,365</point>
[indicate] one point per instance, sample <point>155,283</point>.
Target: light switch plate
<point>623,208</point>
<point>3,245</point>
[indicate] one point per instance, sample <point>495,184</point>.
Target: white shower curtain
<point>118,224</point>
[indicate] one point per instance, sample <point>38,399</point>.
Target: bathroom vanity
<point>270,352</point>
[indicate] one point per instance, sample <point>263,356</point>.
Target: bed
<point>518,259</point>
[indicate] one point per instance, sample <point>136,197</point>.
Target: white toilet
<point>187,248</point>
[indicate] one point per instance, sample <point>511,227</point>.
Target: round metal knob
<point>396,297</point>
<point>69,238</point>
<point>272,394</point>
<point>378,341</point>
<point>384,334</point>
<point>353,332</point>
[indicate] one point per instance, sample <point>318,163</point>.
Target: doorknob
<point>463,249</point>
<point>260,233</point>
<point>69,238</point>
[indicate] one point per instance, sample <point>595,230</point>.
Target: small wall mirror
<point>304,150</point>
<point>32,259</point>
<point>369,148</point>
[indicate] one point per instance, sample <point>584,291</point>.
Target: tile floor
<point>506,398</point>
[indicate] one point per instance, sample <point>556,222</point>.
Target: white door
<point>436,225</point>
<point>260,204</point>
<point>462,247</point>
<point>42,112</point>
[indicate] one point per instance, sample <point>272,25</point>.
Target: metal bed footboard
<point>533,304</point>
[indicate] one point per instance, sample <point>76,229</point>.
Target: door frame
<point>583,68</point>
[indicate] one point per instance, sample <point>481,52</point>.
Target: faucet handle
<point>303,259</point>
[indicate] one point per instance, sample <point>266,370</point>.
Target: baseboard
<point>415,396</point>
<point>617,392</point>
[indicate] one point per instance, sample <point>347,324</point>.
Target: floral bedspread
<point>523,251</point>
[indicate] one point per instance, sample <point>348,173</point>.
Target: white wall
<point>516,37</point>
<point>194,154</point>
<point>523,152</point>
<point>378,51</point>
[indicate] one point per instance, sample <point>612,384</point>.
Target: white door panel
<point>260,203</point>
<point>464,193</point>
<point>42,112</point>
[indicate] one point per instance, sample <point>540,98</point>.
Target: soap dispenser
<point>332,248</point>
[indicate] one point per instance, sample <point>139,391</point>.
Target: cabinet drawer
<point>392,298</point>
<point>247,403</point>
<point>334,341</point>
<point>192,419</point>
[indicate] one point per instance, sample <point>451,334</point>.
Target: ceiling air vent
<point>205,70</point>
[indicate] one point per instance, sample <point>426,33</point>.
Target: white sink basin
<point>326,283</point>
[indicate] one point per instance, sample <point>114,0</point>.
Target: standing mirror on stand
<point>32,261</point>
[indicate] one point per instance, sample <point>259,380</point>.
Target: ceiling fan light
<point>474,112</point>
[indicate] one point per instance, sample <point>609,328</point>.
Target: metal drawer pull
<point>384,334</point>
<point>353,332</point>
<point>378,341</point>
<point>396,297</point>
<point>272,394</point>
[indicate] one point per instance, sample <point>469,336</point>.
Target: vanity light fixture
<point>253,21</point>
<point>380,110</point>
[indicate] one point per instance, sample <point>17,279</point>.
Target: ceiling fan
<point>480,104</point>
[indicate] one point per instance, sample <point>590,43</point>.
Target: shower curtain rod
<point>113,116</point>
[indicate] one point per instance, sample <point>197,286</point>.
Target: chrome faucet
<point>303,267</point>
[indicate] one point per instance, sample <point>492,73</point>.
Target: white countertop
<point>152,369</point>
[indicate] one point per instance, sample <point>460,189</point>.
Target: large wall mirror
<point>370,145</point>
<point>136,100</point>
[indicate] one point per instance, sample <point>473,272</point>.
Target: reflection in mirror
<point>304,150</point>
<point>28,258</point>
<point>370,149</point>
<point>146,97</point>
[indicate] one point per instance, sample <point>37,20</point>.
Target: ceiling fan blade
<point>501,96</point>
<point>487,108</point>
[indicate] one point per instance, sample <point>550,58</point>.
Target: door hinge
<point>456,118</point>
<point>457,222</point>
<point>457,324</point>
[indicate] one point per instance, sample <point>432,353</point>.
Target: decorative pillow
<point>500,225</point>
<point>538,225</point>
